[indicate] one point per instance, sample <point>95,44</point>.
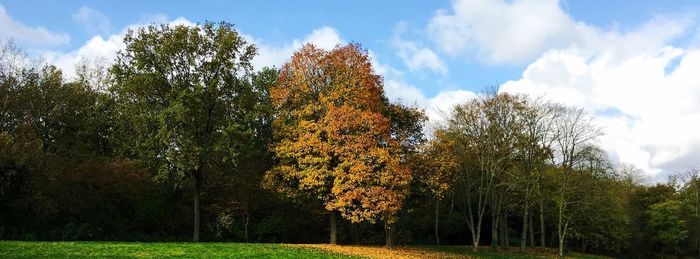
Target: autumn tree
<point>181,90</point>
<point>437,167</point>
<point>332,140</point>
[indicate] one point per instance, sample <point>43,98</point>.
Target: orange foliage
<point>381,252</point>
<point>331,139</point>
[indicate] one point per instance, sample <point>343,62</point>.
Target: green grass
<point>25,249</point>
<point>22,249</point>
<point>487,252</point>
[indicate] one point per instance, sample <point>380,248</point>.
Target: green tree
<point>485,131</point>
<point>666,222</point>
<point>182,90</point>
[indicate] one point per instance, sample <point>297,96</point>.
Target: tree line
<point>181,139</point>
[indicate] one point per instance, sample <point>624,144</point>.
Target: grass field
<point>23,249</point>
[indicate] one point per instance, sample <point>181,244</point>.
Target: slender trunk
<point>245,226</point>
<point>504,235</point>
<point>356,233</point>
<point>561,247</point>
<point>389,242</point>
<point>532,232</point>
<point>196,178</point>
<point>562,238</point>
<point>334,228</point>
<point>542,233</point>
<point>475,238</point>
<point>662,252</point>
<point>494,229</point>
<point>523,235</point>
<point>437,222</point>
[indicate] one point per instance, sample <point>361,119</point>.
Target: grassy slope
<point>20,249</point>
<point>23,249</point>
<point>486,252</point>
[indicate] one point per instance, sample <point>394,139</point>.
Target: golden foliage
<point>381,252</point>
<point>332,140</point>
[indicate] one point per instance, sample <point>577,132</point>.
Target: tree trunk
<point>532,231</point>
<point>542,233</point>
<point>334,228</point>
<point>562,238</point>
<point>504,236</point>
<point>523,235</point>
<point>494,230</point>
<point>356,233</point>
<point>561,247</point>
<point>437,222</point>
<point>196,178</point>
<point>389,242</point>
<point>476,235</point>
<point>245,226</point>
<point>475,240</point>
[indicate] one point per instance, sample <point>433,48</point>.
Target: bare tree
<point>573,130</point>
<point>94,72</point>
<point>485,131</point>
<point>533,147</point>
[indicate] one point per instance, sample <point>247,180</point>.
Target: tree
<point>181,90</point>
<point>666,222</point>
<point>406,126</point>
<point>690,194</point>
<point>573,130</point>
<point>485,131</point>
<point>332,140</point>
<point>601,199</point>
<point>533,149</point>
<point>436,170</point>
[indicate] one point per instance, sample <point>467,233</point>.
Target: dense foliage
<point>181,127</point>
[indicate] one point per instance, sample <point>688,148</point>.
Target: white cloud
<point>106,48</point>
<point>648,108</point>
<point>643,89</point>
<point>416,57</point>
<point>95,48</point>
<point>437,107</point>
<point>37,36</point>
<point>102,48</point>
<point>92,20</point>
<point>277,54</point>
<point>500,31</point>
<point>398,90</point>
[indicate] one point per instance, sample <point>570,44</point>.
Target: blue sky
<point>372,23</point>
<point>630,63</point>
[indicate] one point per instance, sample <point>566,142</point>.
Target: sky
<point>635,65</point>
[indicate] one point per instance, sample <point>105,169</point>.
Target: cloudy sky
<point>634,64</point>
